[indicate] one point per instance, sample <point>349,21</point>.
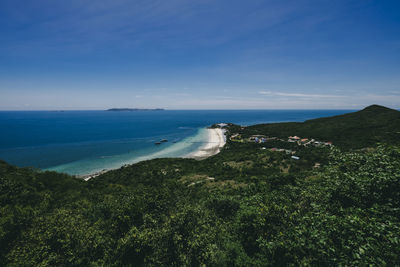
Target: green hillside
<point>246,206</point>
<point>372,125</point>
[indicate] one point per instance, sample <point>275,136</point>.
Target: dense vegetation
<point>243,207</point>
<point>353,130</point>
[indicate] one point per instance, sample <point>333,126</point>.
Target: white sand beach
<point>216,140</point>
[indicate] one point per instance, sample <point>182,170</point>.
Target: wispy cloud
<point>272,93</point>
<point>228,53</point>
<point>133,23</point>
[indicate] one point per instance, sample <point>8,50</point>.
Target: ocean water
<point>84,142</point>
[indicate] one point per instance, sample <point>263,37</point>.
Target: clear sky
<point>206,54</point>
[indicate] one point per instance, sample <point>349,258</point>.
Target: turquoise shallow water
<point>83,142</point>
<point>178,149</point>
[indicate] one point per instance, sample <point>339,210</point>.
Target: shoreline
<point>216,139</point>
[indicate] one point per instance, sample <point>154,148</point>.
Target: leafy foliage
<point>360,129</point>
<point>242,207</point>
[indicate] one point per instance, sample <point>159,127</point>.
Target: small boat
<point>163,140</point>
<point>157,143</point>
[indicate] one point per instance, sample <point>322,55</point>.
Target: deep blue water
<point>81,142</point>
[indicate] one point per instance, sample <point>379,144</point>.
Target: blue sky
<point>181,54</point>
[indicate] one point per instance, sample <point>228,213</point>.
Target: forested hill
<point>249,205</point>
<point>372,125</point>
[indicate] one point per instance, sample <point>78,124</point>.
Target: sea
<point>86,142</point>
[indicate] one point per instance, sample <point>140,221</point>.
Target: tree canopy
<point>245,206</point>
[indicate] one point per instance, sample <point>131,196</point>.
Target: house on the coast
<point>317,165</point>
<point>293,139</point>
<point>257,138</point>
<point>288,151</point>
<point>236,136</point>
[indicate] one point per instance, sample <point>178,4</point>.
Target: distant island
<point>134,109</point>
<point>324,192</point>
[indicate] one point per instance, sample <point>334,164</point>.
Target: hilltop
<point>246,206</point>
<point>364,128</point>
